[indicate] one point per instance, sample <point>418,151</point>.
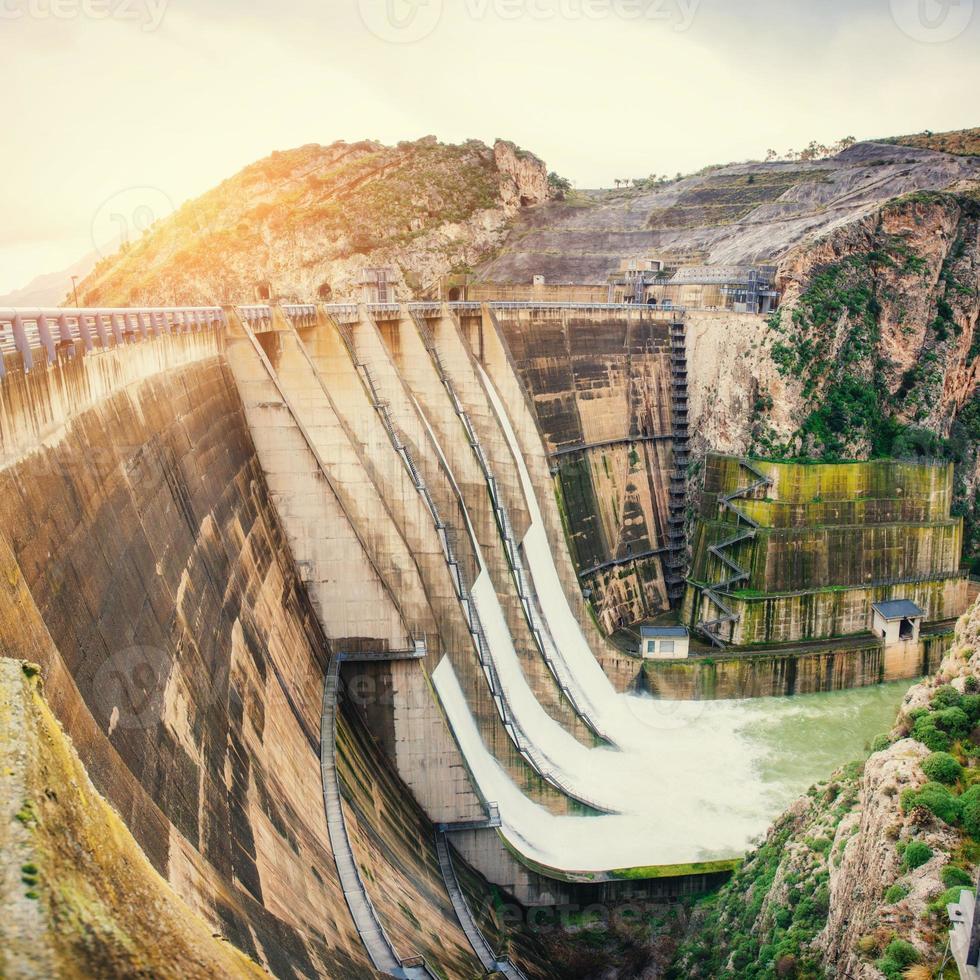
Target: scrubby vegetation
<point>830,341</point>
<point>762,923</point>
<point>768,920</point>
<point>962,142</point>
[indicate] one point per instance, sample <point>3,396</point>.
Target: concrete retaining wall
<point>771,674</point>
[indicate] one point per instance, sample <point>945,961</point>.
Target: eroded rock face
<point>919,259</point>
<point>869,839</point>
<point>871,861</point>
<point>523,177</point>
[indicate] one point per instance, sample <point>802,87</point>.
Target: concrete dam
<point>322,596</point>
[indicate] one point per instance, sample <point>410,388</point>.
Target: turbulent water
<point>711,777</point>
<point>684,781</point>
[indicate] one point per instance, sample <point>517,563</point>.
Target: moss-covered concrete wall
<point>803,483</point>
<point>831,540</point>
<point>789,559</point>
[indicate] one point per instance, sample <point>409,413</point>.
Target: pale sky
<point>116,110</point>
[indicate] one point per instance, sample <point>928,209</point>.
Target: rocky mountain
<point>853,880</point>
<point>305,223</point>
<point>740,213</point>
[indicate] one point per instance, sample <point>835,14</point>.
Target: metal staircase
<point>373,935</point>
<point>677,493</point>
<point>489,960</point>
<point>711,628</point>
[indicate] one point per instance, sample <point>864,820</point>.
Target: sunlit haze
<point>103,96</point>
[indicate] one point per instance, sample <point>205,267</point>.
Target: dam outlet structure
<point>322,598</point>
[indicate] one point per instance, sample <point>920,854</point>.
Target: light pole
<point>74,289</point>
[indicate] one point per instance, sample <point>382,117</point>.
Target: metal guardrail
<point>489,960</point>
<point>444,531</point>
<point>29,330</point>
<point>608,443</point>
<point>446,535</point>
<point>300,314</point>
<point>525,588</point>
<point>616,562</point>
<point>342,312</point>
<point>256,315</point>
<point>366,920</point>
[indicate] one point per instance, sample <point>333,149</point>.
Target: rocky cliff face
<point>305,223</point>
<point>852,881</point>
<point>874,351</point>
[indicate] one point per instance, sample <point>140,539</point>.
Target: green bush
<point>935,798</point>
<point>916,854</point>
<point>902,952</point>
<point>953,720</point>
<point>970,811</point>
<point>953,876</point>
<point>880,742</point>
<point>971,705</point>
<point>896,893</point>
<point>942,767</point>
<point>926,731</point>
<point>899,956</point>
<point>946,697</point>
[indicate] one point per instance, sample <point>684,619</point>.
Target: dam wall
<point>210,536</point>
<point>599,382</point>
<point>145,569</point>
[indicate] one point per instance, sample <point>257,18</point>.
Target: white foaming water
<point>713,776</point>
<point>592,684</point>
<point>690,781</point>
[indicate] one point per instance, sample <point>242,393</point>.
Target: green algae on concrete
<point>823,542</point>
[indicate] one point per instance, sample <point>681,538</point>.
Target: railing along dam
<point>306,584</point>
